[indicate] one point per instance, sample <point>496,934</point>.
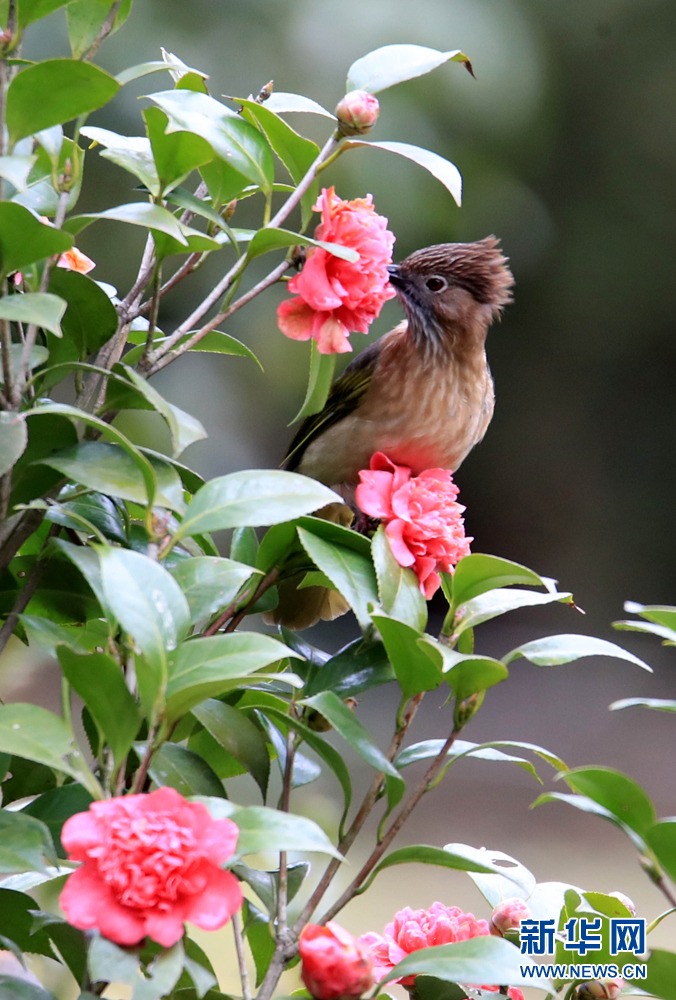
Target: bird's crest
<point>480,268</point>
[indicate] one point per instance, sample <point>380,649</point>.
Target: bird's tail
<point>300,608</point>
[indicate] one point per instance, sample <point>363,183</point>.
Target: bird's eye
<point>436,284</point>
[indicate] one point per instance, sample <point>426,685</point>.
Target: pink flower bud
<point>357,113</point>
<point>335,966</point>
<point>507,916</point>
<point>607,989</point>
<point>629,903</point>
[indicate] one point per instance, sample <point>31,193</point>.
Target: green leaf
<point>585,804</point>
<point>55,806</point>
<point>416,670</point>
<point>391,64</point>
<point>652,628</point>
<point>555,649</point>
<point>351,574</point>
<point>25,240</point>
<point>477,573</point>
<point>24,843</point>
<point>184,428</point>
<point>240,144</point>
<point>85,20</point>
<point>661,979</point>
<point>251,498</point>
<point>90,319</point>
<point>176,154</point>
<point>281,103</point>
<point>138,213</point>
<point>424,855</point>
<point>110,963</point>
<point>487,960</point>
<point>13,439</point>
<point>466,674</point>
<point>322,367</point>
<point>86,559</point>
<point>356,668</point>
<point>461,748</point>
<point>150,606</point>
<point>615,792</point>
<point>33,10</point>
<point>184,770</point>
<point>40,308</point>
<point>206,667</point>
<point>661,704</point>
<point>38,355</point>
<point>55,91</point>
<point>12,988</point>
<point>62,595</point>
<point>224,182</point>
<point>16,169</point>
<point>238,735</point>
<point>98,680</point>
<point>244,546</point>
<point>514,879</point>
<point>336,534</point>
<point>210,584</point>
<point>215,342</point>
<point>498,602</point>
<point>132,153</point>
<point>663,614</point>
<point>40,195</point>
<point>438,166</point>
<point>398,587</point>
<point>97,509</point>
<point>264,829</point>
<point>36,734</point>
<point>266,883</point>
<point>268,239</point>
<point>16,923</point>
<point>261,942</point>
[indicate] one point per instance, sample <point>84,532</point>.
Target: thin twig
<point>8,374</point>
<point>104,31</point>
<point>666,891</point>
<point>142,773</point>
<point>183,271</point>
<point>241,957</point>
<point>282,895</point>
<point>229,614</point>
<point>27,591</point>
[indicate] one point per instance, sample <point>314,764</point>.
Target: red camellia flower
<point>414,929</point>
<point>422,520</point>
<point>151,862</point>
<point>334,964</point>
<point>508,914</point>
<point>334,296</point>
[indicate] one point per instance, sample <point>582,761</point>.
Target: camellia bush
<point>108,565</point>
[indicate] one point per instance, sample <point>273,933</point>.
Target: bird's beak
<point>395,276</point>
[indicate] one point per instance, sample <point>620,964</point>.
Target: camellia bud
<point>507,916</point>
<point>606,989</point>
<point>334,965</point>
<point>357,113</point>
<point>629,903</point>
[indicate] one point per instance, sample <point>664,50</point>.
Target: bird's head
<point>451,287</point>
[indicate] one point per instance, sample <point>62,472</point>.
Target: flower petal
<point>217,902</point>
<point>294,318</point>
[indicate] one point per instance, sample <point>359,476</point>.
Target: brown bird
<point>422,394</point>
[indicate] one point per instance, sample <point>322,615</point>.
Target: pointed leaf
<point>16,169</point>
<point>184,770</point>
<point>351,573</point>
<point>85,20</point>
<point>466,674</point>
<point>210,583</point>
<point>391,64</point>
<point>459,859</point>
<point>398,587</point>
<point>281,103</point>
<point>24,843</point>
<point>25,240</point>
<point>477,573</point>
<point>438,166</point>
<point>184,428</point>
<point>663,614</point>
<point>498,602</point>
<point>90,319</point>
<point>176,154</point>
<point>616,792</point>
<point>555,649</point>
<point>13,439</point>
<point>238,735</point>
<point>36,734</point>
<point>416,671</point>
<point>40,308</point>
<point>651,628</point>
<point>139,213</point>
<point>661,704</point>
<point>487,960</point>
<point>322,367</point>
<point>268,239</point>
<point>263,829</point>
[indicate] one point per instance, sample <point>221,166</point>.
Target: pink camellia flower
<point>334,296</point>
<point>151,862</point>
<point>422,519</point>
<point>508,914</point>
<point>75,260</point>
<point>607,989</point>
<point>412,930</point>
<point>357,113</point>
<point>334,965</point>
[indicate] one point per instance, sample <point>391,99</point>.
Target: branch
<point>104,31</point>
<point>27,592</point>
<point>241,957</point>
<point>235,619</point>
<point>142,773</point>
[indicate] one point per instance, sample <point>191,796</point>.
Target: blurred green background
<point>567,144</point>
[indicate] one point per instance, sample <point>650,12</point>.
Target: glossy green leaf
<point>61,595</point>
<point>16,169</point>
<point>350,573</point>
<point>668,635</point>
<point>391,64</point>
<point>261,942</point>
<point>266,240</point>
<point>358,667</point>
<point>150,606</point>
<point>438,166</point>
<point>106,468</point>
<point>85,20</point>
<point>184,428</point>
<point>416,670</point>
<point>99,681</point>
<point>40,308</point>
<point>184,770</point>
<point>215,342</point>
<point>244,546</point>
<point>199,206</point>
<point>55,806</point>
<point>486,959</point>
<point>511,879</point>
<point>32,10</point>
<point>90,319</point>
<point>51,140</point>
<point>86,559</point>
<point>210,584</point>
<point>224,182</point>
<point>25,240</point>
<point>322,367</point>
<point>398,587</point>
<point>266,883</point>
<point>264,829</point>
<point>661,978</point>
<point>555,649</point>
<point>132,153</point>
<point>251,498</point>
<point>281,102</point>
<point>36,734</point>
<point>477,573</point>
<point>12,988</point>
<point>337,534</point>
<point>424,855</point>
<point>40,195</point>
<point>661,704</point>
<point>585,804</point>
<point>108,962</point>
<point>238,735</point>
<point>24,843</point>
<point>240,144</point>
<point>139,213</point>
<point>176,154</point>
<point>466,674</point>
<point>662,614</point>
<point>16,922</point>
<point>461,748</point>
<point>96,508</point>
<point>13,439</point>
<point>206,667</point>
<point>38,355</point>
<point>616,792</point>
<point>53,92</point>
<point>498,602</point>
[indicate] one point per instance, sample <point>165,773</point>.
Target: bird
<point>422,394</point>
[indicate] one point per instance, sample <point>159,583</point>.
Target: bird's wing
<point>344,397</point>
